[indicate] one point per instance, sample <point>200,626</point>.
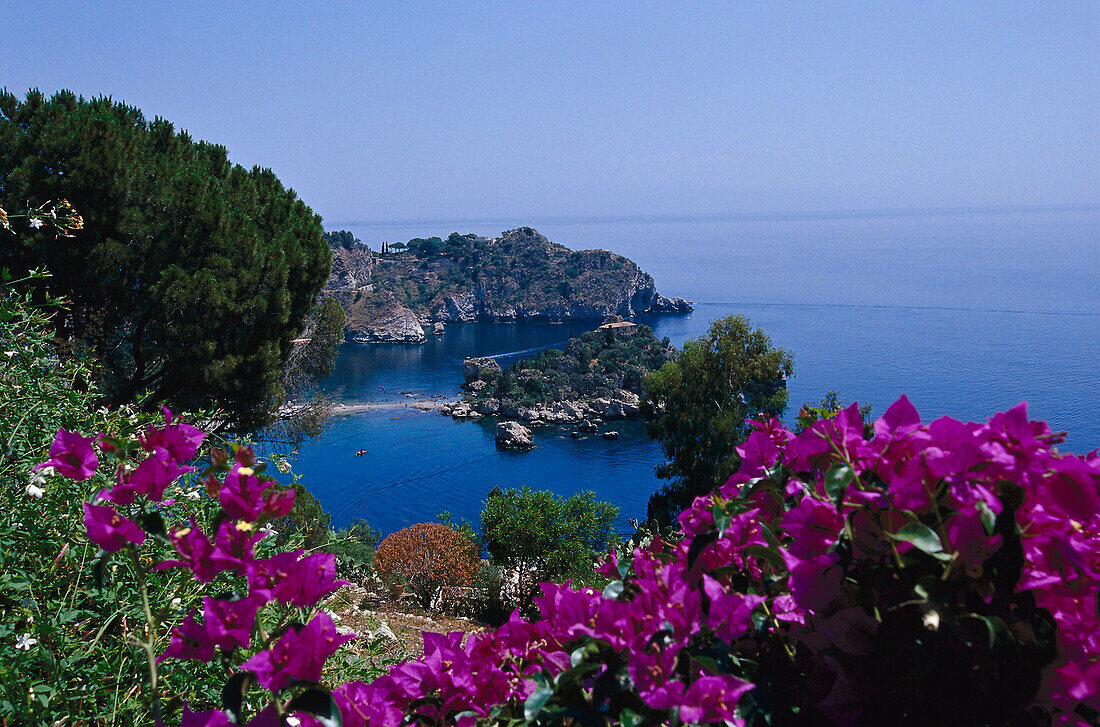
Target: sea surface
<point>966,312</point>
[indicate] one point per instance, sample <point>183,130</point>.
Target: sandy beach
<point>419,404</point>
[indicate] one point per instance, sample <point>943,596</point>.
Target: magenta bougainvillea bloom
<point>279,504</point>
<point>311,579</point>
<point>821,541</point>
<point>190,641</point>
<point>72,456</point>
<point>209,718</point>
<point>233,546</point>
<point>195,547</point>
<point>242,494</point>
<point>109,530</point>
<point>297,654</point>
<point>180,441</point>
<point>150,478</point>
<point>229,623</point>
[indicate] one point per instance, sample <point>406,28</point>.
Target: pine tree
<point>191,276</point>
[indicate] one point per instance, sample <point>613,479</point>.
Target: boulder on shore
<point>513,435</point>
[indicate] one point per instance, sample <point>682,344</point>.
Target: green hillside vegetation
<point>597,364</point>
<point>521,268</point>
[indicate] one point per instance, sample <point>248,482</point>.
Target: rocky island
<point>393,296</point>
<point>597,377</point>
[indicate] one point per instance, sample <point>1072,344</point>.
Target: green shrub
<point>535,535</point>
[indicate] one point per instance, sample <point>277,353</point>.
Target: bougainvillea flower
<point>898,421</point>
<point>233,546</point>
<point>814,526</point>
<point>967,537</point>
<point>785,609</point>
<point>242,494</point>
<point>757,454</point>
<point>229,623</point>
<point>297,654</point>
<point>180,441</point>
<point>72,456</point>
<point>276,571</point>
<point>209,718</point>
<point>360,708</point>
<point>730,614</point>
<point>109,530</point>
<point>309,580</point>
<point>190,641</point>
<point>814,582</point>
<point>807,447</point>
<point>279,504</point>
<point>154,474</point>
<point>713,699</point>
<point>195,547</point>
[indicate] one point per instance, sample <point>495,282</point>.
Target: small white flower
<point>193,494</point>
<point>268,530</point>
<point>293,721</point>
<point>25,642</point>
<point>35,222</point>
<point>38,477</point>
<point>176,602</point>
<point>35,491</point>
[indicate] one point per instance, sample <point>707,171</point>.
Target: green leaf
<point>722,519</point>
<point>767,554</point>
<point>319,703</point>
<point>233,693</point>
<point>99,568</point>
<point>989,518</point>
<point>837,480</point>
<point>698,544</point>
<point>921,536</point>
<point>535,702</point>
<point>153,523</point>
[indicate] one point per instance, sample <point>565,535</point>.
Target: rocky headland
<point>394,296</point>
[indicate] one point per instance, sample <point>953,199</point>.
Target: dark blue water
<point>967,314</point>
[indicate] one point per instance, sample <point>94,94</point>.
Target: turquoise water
<point>967,314</point>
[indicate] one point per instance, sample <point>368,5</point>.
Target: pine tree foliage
<point>192,275</point>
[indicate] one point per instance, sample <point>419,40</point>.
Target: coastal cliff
<point>515,277</point>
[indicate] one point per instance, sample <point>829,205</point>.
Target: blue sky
<point>429,111</point>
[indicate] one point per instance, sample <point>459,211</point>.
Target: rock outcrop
<point>352,268</point>
<point>473,368</point>
<point>513,435</point>
<point>518,276</point>
<point>378,318</point>
<point>461,306</point>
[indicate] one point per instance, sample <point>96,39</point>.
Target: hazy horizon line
<point>773,216</point>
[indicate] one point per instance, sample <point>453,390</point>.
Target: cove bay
<point>965,312</point>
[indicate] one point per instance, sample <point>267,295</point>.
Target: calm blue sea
<point>966,313</point>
